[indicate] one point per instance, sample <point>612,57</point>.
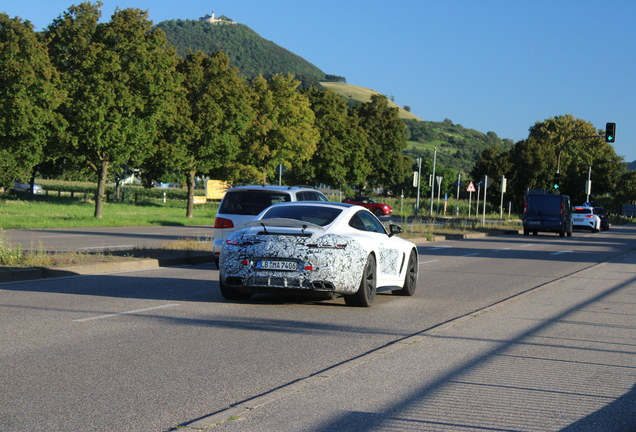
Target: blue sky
<point>490,65</point>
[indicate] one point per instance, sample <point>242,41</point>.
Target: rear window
<point>251,202</point>
<point>315,214</point>
<point>583,210</point>
<point>310,196</point>
<point>543,205</point>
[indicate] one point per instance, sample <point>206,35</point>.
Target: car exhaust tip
<point>235,281</point>
<point>322,286</point>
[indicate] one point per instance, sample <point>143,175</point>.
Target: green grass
<point>22,213</point>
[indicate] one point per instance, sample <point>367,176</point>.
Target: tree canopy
<point>29,95</point>
<point>118,76</point>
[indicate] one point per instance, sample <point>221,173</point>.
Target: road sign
<point>280,169</point>
<point>471,187</point>
<point>484,183</point>
<point>439,180</point>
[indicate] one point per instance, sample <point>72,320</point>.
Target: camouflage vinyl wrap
<point>335,261</point>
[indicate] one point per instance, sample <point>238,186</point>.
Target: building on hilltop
<point>213,20</point>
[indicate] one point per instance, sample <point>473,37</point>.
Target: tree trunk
<point>101,187</point>
<point>190,183</point>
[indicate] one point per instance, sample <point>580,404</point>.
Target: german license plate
<point>534,223</point>
<point>277,265</point>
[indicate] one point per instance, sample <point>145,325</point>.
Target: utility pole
<point>419,176</point>
<point>433,186</point>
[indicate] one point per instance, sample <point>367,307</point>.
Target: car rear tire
<point>231,294</point>
<point>410,280</point>
<point>561,233</point>
<point>526,232</point>
<point>366,292</point>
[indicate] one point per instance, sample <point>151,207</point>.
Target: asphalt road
<point>104,239</point>
<point>157,349</point>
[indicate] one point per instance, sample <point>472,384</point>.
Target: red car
<point>377,208</point>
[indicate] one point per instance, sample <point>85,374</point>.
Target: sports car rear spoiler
<point>284,223</point>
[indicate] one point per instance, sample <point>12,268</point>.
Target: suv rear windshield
<point>583,210</point>
<point>251,202</point>
<point>544,205</point>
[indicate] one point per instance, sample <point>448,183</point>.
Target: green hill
<point>457,147</point>
<point>248,51</point>
<point>355,95</point>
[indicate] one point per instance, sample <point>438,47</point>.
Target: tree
<point>385,134</point>
<point>213,115</point>
<point>119,77</point>
<point>573,145</point>
<point>339,157</point>
<point>495,164</point>
<point>29,95</point>
<point>282,130</point>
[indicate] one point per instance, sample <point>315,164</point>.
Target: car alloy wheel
<point>410,280</point>
<point>366,292</point>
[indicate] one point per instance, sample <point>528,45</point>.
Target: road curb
<point>463,236</point>
<point>25,274</point>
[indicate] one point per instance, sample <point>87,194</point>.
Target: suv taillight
<point>223,223</point>
<point>561,209</point>
<point>525,207</point>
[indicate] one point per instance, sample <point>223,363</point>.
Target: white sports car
<point>316,248</point>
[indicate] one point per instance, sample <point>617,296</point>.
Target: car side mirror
<point>394,229</point>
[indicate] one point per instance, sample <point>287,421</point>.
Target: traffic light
<point>610,132</point>
<point>557,177</point>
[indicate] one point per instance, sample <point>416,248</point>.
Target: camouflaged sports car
<point>321,249</point>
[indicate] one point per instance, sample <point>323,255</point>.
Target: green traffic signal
<point>610,132</point>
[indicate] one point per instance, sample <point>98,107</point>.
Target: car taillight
<point>561,209</point>
<point>525,207</point>
<point>223,223</point>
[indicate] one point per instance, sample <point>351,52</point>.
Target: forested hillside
<point>248,51</point>
<point>457,147</point>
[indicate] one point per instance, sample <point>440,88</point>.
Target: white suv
<point>584,217</point>
<point>242,204</point>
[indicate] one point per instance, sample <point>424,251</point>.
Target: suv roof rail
<point>302,186</point>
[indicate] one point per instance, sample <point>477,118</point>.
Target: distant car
<point>376,208</point>
<point>584,217</point>
<point>319,249</point>
<point>600,212</point>
<point>26,188</point>
<point>242,204</point>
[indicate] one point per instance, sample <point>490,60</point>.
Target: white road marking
<point>109,247</point>
<point>472,254</point>
<point>527,245</point>
<point>65,235</point>
<point>561,252</point>
<point>125,313</point>
<point>428,262</point>
<point>499,250</point>
<point>439,247</point>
